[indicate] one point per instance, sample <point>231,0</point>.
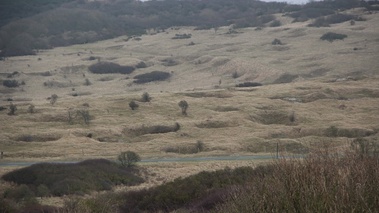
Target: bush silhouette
<point>152,76</point>
<point>133,105</point>
<point>11,83</point>
<point>110,68</point>
<point>330,36</point>
<point>72,178</point>
<point>145,97</point>
<point>184,106</point>
<point>128,159</point>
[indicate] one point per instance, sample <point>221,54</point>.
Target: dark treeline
<point>27,26</point>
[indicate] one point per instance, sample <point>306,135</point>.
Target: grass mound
<point>59,179</point>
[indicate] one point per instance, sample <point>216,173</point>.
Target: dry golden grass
<point>336,86</point>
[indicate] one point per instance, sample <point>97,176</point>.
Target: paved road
<point>157,160</point>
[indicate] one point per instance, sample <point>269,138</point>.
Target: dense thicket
<point>42,24</point>
<point>73,178</point>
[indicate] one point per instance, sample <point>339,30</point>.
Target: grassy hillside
<point>309,93</point>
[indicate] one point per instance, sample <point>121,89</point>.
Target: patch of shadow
<point>268,117</point>
<point>208,95</point>
<point>285,78</point>
<point>317,73</point>
<point>215,124</point>
<point>226,109</point>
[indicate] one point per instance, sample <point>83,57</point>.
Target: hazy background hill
<point>27,26</point>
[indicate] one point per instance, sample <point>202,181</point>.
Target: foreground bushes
<point>322,183</point>
<point>72,178</point>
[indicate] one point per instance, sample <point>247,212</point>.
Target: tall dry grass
<point>318,183</point>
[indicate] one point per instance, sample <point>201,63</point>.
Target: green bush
<point>329,36</point>
<point>128,159</point>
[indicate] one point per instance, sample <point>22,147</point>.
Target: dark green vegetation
<point>29,26</point>
<point>321,182</point>
<point>109,68</point>
<point>128,159</point>
<point>151,76</point>
<point>330,36</point>
<point>57,179</point>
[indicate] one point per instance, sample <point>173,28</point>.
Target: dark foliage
<point>11,83</point>
<point>276,42</point>
<point>330,36</point>
<point>152,76</point>
<point>186,192</point>
<point>109,68</point>
<point>73,178</point>
<point>249,84</point>
<point>182,36</point>
<point>285,78</point>
<point>141,65</point>
<point>133,105</point>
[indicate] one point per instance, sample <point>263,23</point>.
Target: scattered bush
<point>249,84</point>
<point>128,159</point>
<point>152,76</point>
<point>333,36</point>
<point>182,36</point>
<point>11,83</point>
<point>53,99</point>
<point>184,106</point>
<point>12,109</point>
<point>275,23</point>
<point>87,82</point>
<point>110,68</point>
<point>169,62</point>
<point>145,97</point>
<point>133,105</point>
<point>235,75</point>
<point>141,65</point>
<point>276,42</point>
<point>72,178</point>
